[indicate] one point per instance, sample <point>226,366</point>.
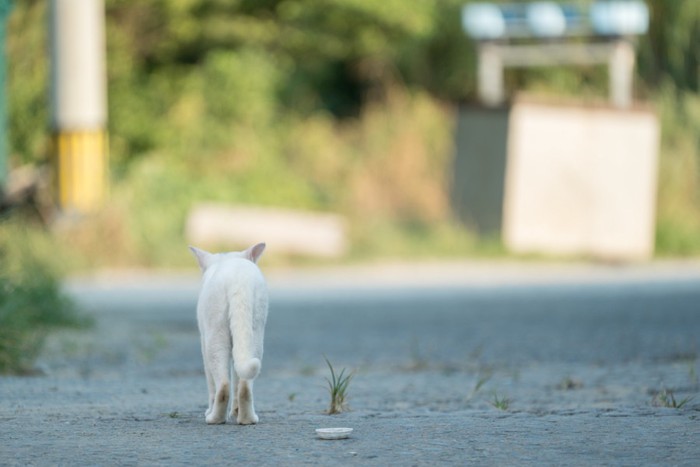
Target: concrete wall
<point>480,165</point>
<point>575,180</point>
<point>224,227</point>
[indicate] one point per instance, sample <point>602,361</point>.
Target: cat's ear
<point>204,258</point>
<point>254,252</point>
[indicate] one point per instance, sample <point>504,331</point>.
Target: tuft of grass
<point>693,375</point>
<point>500,402</point>
<point>32,304</point>
<point>569,384</point>
<point>337,387</point>
<point>665,398</point>
<point>483,379</point>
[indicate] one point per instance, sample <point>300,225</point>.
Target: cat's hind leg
<point>246,410</point>
<point>210,381</point>
<point>234,403</point>
<point>218,360</point>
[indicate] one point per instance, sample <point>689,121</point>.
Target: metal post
<point>490,75</point>
<point>5,6</point>
<point>621,74</point>
<point>78,103</point>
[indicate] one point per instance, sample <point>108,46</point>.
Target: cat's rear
<point>231,314</point>
<point>247,312</point>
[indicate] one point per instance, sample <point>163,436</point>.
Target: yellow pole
<point>79,104</point>
<point>81,168</point>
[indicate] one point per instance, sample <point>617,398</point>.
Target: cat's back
<point>234,272</point>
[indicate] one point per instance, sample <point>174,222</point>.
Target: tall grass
<point>195,119</point>
<point>386,171</point>
<point>337,389</point>
<point>31,302</point>
<point>678,209</point>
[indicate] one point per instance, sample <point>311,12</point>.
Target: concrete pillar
<point>621,74</point>
<point>78,103</point>
<point>490,75</point>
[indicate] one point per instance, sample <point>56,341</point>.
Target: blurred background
<point>348,112</point>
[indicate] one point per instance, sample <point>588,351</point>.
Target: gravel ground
<point>577,356</point>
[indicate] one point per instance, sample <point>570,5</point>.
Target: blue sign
<point>547,19</point>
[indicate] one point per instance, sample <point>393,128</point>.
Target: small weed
<point>32,304</point>
<point>483,379</point>
<point>665,398</point>
<point>569,384</point>
<point>693,375</point>
<point>418,361</point>
<point>174,415</point>
<point>292,396</point>
<point>337,387</point>
<point>500,402</point>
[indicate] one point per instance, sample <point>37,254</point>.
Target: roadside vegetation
<point>31,305</point>
<point>666,398</point>
<point>346,107</point>
<point>501,402</point>
<point>337,389</point>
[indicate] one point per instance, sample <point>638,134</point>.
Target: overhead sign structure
<point>78,103</point>
<point>535,34</point>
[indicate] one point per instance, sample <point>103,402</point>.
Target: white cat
<point>231,314</point>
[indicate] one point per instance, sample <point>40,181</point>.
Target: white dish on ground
<point>333,433</point>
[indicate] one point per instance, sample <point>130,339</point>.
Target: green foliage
<point>667,399</point>
<point>678,218</point>
<point>444,61</point>
<point>337,388</point>
<point>500,402</point>
<point>332,105</point>
<point>670,50</point>
<point>27,81</point>
<point>483,379</point>
<point>31,303</point>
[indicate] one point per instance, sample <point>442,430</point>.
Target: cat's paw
<point>212,419</point>
<point>250,419</point>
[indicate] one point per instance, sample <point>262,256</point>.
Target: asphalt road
<point>562,367</point>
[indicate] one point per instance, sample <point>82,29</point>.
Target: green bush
<point>31,304</point>
<point>341,105</point>
<point>678,202</point>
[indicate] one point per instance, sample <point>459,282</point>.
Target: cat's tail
<point>247,327</point>
<point>248,369</point>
